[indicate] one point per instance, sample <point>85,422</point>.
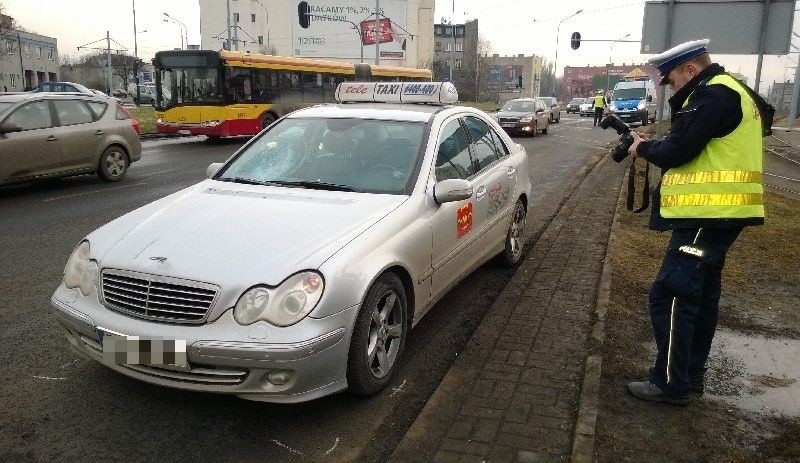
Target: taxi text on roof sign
<point>397,92</point>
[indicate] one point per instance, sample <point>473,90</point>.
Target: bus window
<point>238,86</point>
<point>312,87</point>
<point>291,91</point>
<point>329,83</point>
<point>265,85</point>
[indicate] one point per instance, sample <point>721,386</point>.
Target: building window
<point>439,30</point>
<point>438,46</point>
<point>9,47</point>
<point>13,80</point>
<point>253,18</point>
<point>28,49</point>
<point>261,40</point>
<point>459,46</point>
<point>50,54</point>
<point>448,31</point>
<point>448,47</point>
<point>236,17</point>
<point>458,63</point>
<point>460,31</point>
<point>39,52</point>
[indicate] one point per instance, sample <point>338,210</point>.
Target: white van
<point>634,101</point>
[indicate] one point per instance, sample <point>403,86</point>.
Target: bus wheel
<point>266,120</point>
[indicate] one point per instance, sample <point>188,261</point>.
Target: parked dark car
<point>574,105</point>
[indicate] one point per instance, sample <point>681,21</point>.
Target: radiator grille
<point>158,298</point>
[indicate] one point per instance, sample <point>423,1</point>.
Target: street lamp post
<point>610,53</point>
<point>181,25</point>
<point>555,64</point>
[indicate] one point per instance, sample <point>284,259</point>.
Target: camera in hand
<point>619,152</point>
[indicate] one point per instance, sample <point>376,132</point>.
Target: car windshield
<point>576,101</point>
<point>519,106</point>
<point>4,106</point>
<point>621,94</point>
<point>373,156</point>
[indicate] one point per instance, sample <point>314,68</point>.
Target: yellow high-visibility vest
<point>599,101</point>
<point>725,180</point>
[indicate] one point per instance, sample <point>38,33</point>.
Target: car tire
<point>113,164</point>
<point>266,120</point>
<point>379,336</point>
<point>515,237</point>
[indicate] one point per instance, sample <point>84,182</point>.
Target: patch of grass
<point>146,116</point>
<point>483,106</point>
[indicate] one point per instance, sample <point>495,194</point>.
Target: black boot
<point>696,386</point>
<point>646,390</point>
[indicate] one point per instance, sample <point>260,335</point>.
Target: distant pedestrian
<point>599,106</point>
<point>711,189</point>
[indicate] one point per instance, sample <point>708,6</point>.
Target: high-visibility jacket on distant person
<point>599,101</point>
<point>725,180</point>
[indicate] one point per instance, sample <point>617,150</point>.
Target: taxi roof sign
<point>397,92</point>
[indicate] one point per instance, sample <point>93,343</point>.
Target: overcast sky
<point>511,26</point>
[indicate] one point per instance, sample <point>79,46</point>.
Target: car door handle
<point>99,132</point>
<point>52,138</point>
<point>480,193</point>
<point>512,171</point>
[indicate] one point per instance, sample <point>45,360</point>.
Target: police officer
<point>710,190</point>
<point>599,105</point>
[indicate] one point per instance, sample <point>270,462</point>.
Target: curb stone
<point>585,428</point>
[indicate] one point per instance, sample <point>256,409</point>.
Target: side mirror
<point>540,110</point>
<point>649,98</point>
<point>8,127</point>
<point>213,168</point>
<point>452,189</point>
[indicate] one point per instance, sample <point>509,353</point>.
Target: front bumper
<point>223,356</point>
<point>518,127</point>
<point>631,116</point>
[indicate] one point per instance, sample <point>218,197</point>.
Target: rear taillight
<point>129,116</point>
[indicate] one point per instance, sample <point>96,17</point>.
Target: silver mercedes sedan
<point>299,266</point>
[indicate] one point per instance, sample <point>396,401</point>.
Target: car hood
<point>627,104</point>
<point>225,233</point>
<point>514,113</point>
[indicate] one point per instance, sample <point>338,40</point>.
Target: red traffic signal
<point>575,40</point>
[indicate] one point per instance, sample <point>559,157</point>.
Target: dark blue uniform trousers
<point>684,304</point>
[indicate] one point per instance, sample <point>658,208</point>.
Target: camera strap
<point>631,194</point>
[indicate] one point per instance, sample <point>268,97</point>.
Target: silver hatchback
<point>45,135</point>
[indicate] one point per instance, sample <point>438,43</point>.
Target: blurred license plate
<point>136,350</point>
<point>184,132</point>
<point>507,124</point>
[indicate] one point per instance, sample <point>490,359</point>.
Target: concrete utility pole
<point>228,20</point>
<point>761,39</point>
<point>555,64</point>
<point>108,61</point>
<point>136,55</point>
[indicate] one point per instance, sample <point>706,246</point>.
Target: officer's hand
<point>637,138</point>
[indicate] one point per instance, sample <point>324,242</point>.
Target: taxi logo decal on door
<point>464,220</point>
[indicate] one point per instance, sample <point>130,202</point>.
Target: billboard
<point>335,28</point>
<point>504,76</point>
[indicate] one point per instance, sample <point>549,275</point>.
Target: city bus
<point>226,93</point>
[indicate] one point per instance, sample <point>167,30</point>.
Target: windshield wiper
<point>246,181</point>
<point>314,185</point>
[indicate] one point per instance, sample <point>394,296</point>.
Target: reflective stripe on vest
<point>725,179</point>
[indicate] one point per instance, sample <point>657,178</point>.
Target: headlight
<point>612,107</point>
<point>159,121</point>
<point>80,271</point>
<point>642,104</point>
<point>526,119</point>
<point>285,305</point>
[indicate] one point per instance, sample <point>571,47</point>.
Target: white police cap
<point>677,55</point>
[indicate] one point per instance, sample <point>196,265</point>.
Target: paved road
<point>57,406</point>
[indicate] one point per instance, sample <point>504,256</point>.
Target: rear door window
<point>72,112</point>
<point>98,108</point>
<point>32,116</point>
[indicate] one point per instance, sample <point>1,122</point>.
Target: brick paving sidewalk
<point>513,394</point>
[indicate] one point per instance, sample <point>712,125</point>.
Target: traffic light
<point>302,14</point>
<point>575,40</point>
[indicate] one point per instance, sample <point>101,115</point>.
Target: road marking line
<point>48,377</point>
<point>93,191</point>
